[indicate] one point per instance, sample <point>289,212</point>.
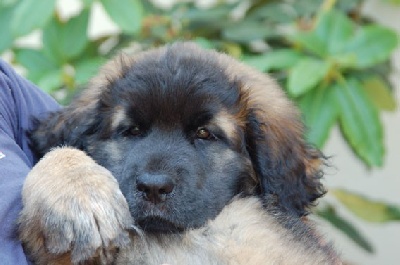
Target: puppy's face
<point>184,130</point>
<point>168,133</point>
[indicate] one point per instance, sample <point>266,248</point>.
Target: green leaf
<point>379,93</point>
<point>305,75</point>
<point>247,31</point>
<point>64,41</point>
<point>33,59</point>
<point>41,70</point>
<point>87,3</point>
<point>348,5</point>
<point>371,45</point>
<point>360,122</point>
<point>74,35</point>
<point>51,40</point>
<point>274,12</point>
<point>347,228</point>
<point>231,48</point>
<point>274,60</point>
<point>219,14</point>
<point>127,14</point>
<point>320,114</point>
<point>310,42</point>
<point>331,34</point>
<point>51,81</point>
<point>258,61</point>
<point>91,50</point>
<point>344,60</point>
<point>86,69</point>
<point>35,62</point>
<point>7,3</point>
<point>6,38</point>
<point>305,8</point>
<point>204,43</point>
<point>368,210</point>
<point>334,37</point>
<point>31,14</point>
<point>334,29</point>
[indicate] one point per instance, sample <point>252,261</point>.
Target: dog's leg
<point>73,211</point>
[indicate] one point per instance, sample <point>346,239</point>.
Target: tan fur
<point>227,123</point>
<point>118,117</point>
<point>70,184</point>
<point>242,234</point>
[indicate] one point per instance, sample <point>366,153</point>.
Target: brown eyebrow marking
<point>227,123</point>
<point>118,116</point>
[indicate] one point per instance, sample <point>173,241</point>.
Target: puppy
<point>244,232</point>
<point>187,134</point>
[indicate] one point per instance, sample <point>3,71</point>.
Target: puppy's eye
<point>203,133</point>
<point>135,131</point>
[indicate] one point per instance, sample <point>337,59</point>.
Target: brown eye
<point>203,133</point>
<point>135,131</point>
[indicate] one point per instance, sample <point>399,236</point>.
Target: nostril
<point>142,187</point>
<point>167,188</point>
<point>154,187</point>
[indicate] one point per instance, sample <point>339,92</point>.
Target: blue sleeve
<point>19,101</point>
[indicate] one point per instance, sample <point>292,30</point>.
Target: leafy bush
<point>330,59</point>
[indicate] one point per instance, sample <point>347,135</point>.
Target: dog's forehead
<point>174,86</point>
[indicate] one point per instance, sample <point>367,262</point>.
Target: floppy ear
<point>66,127</point>
<point>287,168</point>
<point>72,125</point>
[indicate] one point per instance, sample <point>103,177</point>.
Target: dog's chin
<point>158,225</point>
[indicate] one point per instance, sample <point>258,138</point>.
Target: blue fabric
<point>19,101</point>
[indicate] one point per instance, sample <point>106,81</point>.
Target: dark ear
<point>66,127</point>
<point>73,125</point>
<point>287,168</point>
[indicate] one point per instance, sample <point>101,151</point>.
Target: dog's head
<point>184,130</point>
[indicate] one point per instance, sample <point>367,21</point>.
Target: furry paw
<point>73,205</point>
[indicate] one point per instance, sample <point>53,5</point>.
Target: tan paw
<point>73,205</point>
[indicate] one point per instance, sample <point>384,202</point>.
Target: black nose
<point>155,188</point>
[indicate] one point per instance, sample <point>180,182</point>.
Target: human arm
<point>20,100</point>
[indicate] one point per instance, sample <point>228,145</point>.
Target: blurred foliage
<point>329,213</point>
<point>371,211</point>
<point>366,209</point>
<point>332,61</point>
<point>397,2</point>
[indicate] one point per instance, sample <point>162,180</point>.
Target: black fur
<point>169,97</point>
<point>283,174</point>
